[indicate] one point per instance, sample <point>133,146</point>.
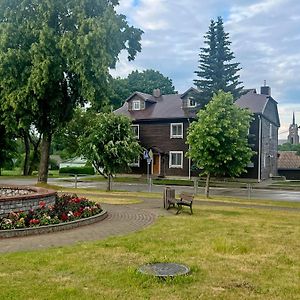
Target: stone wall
<point>25,202</point>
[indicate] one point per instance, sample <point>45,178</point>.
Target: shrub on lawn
<point>77,170</point>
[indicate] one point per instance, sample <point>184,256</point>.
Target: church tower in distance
<point>293,136</point>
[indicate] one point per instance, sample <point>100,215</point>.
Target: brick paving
<point>121,220</point>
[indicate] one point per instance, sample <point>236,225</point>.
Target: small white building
<point>74,162</point>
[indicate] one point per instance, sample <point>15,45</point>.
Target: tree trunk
<point>109,183</point>
<point>27,153</point>
<point>207,185</point>
<point>35,157</point>
<point>44,162</point>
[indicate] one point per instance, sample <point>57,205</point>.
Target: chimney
<point>265,90</point>
<point>156,93</point>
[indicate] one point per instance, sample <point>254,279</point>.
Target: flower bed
<point>66,208</point>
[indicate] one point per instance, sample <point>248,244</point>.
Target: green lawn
<point>233,253</point>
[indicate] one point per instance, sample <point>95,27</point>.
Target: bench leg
<point>191,209</point>
<point>179,208</point>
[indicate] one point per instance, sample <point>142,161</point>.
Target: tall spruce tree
<point>216,70</point>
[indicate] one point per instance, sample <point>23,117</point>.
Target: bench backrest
<point>186,196</point>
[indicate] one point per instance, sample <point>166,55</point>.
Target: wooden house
<point>160,123</point>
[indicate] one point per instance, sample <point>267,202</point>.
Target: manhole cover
<point>164,269</point>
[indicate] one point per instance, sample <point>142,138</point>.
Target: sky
<point>265,39</point>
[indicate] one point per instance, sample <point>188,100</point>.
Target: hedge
<point>77,170</point>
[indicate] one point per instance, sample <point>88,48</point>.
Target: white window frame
<point>135,163</point>
<point>137,103</point>
<point>170,159</point>
<point>138,130</point>
<point>189,103</point>
<point>270,131</point>
<point>171,131</point>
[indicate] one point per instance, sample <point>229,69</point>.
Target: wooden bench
<point>186,199</point>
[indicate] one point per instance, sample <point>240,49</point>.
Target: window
<point>191,102</point>
<point>176,159</point>
<point>250,165</point>
<point>135,163</point>
<point>176,130</point>
<point>270,131</point>
<point>136,105</point>
<point>136,131</point>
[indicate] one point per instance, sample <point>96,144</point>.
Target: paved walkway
<point>121,220</point>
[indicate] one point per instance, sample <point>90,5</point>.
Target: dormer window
<point>136,105</point>
<point>191,102</point>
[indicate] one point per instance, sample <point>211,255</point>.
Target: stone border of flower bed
<point>25,202</point>
<point>8,233</point>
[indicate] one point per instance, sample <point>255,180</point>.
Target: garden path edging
<point>52,228</point>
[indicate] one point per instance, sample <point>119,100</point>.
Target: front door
<point>156,164</point>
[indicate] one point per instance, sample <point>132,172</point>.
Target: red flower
<point>42,204</point>
<point>77,214</point>
<point>64,217</point>
<point>34,221</point>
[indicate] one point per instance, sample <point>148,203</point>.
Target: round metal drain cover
<point>164,269</point>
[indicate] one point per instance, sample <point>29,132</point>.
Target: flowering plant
<point>66,208</point>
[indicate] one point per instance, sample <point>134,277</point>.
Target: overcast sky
<point>265,39</point>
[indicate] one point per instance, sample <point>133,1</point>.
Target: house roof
<point>170,106</point>
<point>288,160</point>
<point>163,107</point>
<point>255,102</point>
<point>259,104</point>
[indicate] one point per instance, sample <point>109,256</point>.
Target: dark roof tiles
<point>255,102</point>
<point>165,107</point>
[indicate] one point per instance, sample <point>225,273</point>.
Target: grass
<point>284,184</point>
<point>180,182</point>
<point>122,197</point>
<point>17,173</point>
<point>233,253</point>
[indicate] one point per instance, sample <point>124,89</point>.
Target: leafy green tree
<point>8,147</point>
<point>216,70</point>
<point>289,147</point>
<point>145,82</point>
<point>109,144</point>
<point>55,54</point>
<point>218,139</point>
<point>66,139</point>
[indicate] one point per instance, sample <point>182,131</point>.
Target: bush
<point>53,164</point>
<point>77,170</point>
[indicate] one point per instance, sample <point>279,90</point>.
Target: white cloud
<point>264,34</point>
<point>241,13</point>
<point>149,15</point>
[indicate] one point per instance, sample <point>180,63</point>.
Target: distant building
<point>289,165</point>
<point>74,162</point>
<point>293,137</point>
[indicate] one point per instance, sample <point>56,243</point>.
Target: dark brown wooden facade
<point>154,114</point>
<point>156,135</point>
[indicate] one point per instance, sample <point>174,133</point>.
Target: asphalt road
<point>276,195</point>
